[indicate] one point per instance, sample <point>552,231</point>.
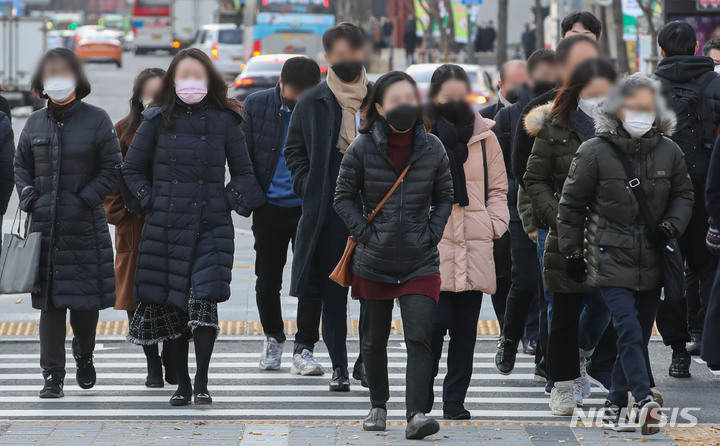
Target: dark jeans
<point>633,316</point>
<point>417,317</point>
<point>52,337</point>
<point>456,314</point>
<point>274,227</point>
<point>578,322</point>
<point>503,276</point>
<point>524,288</point>
<point>676,320</point>
<point>325,298</point>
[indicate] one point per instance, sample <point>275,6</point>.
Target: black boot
<point>85,374</point>
<point>154,366</point>
<point>680,365</point>
<point>505,357</point>
<point>455,410</point>
<point>693,347</point>
<point>170,375</point>
<point>53,387</point>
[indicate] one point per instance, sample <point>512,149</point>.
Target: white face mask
<point>587,105</point>
<point>146,102</point>
<point>717,68</point>
<point>638,123</point>
<point>58,88</point>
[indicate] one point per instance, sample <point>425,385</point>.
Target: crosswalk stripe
<point>275,388</point>
<point>225,355</point>
<point>263,376</point>
<point>218,364</point>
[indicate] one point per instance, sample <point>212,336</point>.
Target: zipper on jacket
<point>639,232</point>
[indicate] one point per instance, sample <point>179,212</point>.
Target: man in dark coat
<point>410,40</point>
<point>321,128</point>
<point>692,89</point>
<point>513,74</point>
<point>529,40</point>
<point>266,118</point>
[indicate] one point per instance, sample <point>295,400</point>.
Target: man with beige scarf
<point>324,123</point>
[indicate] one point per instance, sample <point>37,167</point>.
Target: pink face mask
<point>191,91</point>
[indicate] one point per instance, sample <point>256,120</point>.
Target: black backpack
<point>694,135</point>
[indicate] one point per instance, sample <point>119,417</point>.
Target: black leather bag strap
<point>485,170</point>
<point>634,184</point>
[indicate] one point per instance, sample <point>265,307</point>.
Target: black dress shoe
<point>529,346</point>
<point>680,365</point>
<point>455,410</point>
<point>182,397</point>
<point>505,356</point>
<point>53,387</point>
<point>693,347</point>
<point>359,374</point>
<point>340,381</point>
<point>202,399</point>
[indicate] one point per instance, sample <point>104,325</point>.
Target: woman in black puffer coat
<point>396,255</point>
<point>176,167</point>
<point>64,167</point>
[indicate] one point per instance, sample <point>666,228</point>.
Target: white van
<point>223,42</point>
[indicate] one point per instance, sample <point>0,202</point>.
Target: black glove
<point>575,269</point>
<point>659,236</point>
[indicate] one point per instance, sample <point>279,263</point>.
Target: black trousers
<point>325,298</point>
<point>675,320</point>
<point>456,314</point>
<point>503,276</point>
<point>417,313</point>
<point>524,289</point>
<point>52,337</point>
<point>274,227</point>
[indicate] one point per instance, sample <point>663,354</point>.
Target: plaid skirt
<point>154,323</point>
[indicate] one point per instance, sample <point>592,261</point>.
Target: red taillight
<point>323,69</point>
<point>176,44</point>
<point>134,31</point>
<point>77,38</point>
<point>478,99</point>
<point>244,82</point>
<point>214,51</point>
<point>256,48</point>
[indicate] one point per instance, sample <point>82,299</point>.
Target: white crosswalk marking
<point>240,390</point>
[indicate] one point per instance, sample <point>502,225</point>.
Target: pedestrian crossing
<point>241,391</point>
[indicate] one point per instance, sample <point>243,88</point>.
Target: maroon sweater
<point>400,146</point>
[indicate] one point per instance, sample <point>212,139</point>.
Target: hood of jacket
<point>538,118</point>
<point>607,122</point>
<point>679,69</point>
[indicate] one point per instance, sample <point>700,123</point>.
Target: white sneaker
<point>304,364</point>
<point>272,354</point>
<point>586,389</point>
<point>578,391</point>
<point>562,402</point>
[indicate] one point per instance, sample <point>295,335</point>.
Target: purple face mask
<point>191,91</point>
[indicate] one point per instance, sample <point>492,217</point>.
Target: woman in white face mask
<point>606,236</point>
<point>176,166</point>
<point>64,167</point>
<point>128,226</point>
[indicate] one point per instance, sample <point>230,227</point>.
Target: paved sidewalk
<point>327,433</point>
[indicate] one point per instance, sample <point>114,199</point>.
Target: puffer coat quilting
<point>179,176</point>
<point>63,171</point>
<point>401,242</point>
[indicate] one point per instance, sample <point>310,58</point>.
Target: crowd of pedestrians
<point>564,201</point>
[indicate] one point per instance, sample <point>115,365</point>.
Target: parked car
<point>482,94</point>
<point>223,42</point>
<point>101,48</point>
<point>261,72</point>
<point>61,38</point>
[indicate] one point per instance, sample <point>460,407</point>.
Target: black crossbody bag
<point>672,261</point>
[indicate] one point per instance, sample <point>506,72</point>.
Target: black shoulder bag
<point>672,262</point>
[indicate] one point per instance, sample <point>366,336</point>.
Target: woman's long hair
<point>133,119</point>
<point>378,95</point>
<point>217,88</point>
<point>567,98</point>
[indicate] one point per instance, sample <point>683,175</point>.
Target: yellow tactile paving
<point>695,436</point>
<point>485,327</point>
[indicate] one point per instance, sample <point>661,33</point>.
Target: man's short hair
<point>344,30</point>
<point>588,20</point>
<point>712,44</point>
<point>504,67</point>
<point>543,55</point>
<point>300,72</point>
<point>563,49</point>
<point>677,39</point>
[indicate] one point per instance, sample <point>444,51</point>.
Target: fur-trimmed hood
<point>538,118</point>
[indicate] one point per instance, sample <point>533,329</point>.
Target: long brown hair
<point>134,117</point>
<point>217,88</point>
<point>567,98</point>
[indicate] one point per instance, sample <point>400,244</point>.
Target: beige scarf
<point>350,97</point>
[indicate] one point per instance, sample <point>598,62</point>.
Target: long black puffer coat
<point>64,168</point>
<point>178,174</point>
<point>401,242</point>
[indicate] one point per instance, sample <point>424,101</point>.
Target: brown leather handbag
<point>342,274</point>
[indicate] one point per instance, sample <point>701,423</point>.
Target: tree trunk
<point>605,36</point>
<point>502,32</point>
<point>539,25</point>
<point>647,9</point>
<point>623,63</point>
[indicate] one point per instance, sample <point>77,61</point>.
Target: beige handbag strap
<point>387,197</point>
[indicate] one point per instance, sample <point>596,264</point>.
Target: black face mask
<point>543,87</point>
<point>511,97</point>
<point>403,117</point>
<point>348,71</point>
<point>453,111</point>
<point>289,103</point>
